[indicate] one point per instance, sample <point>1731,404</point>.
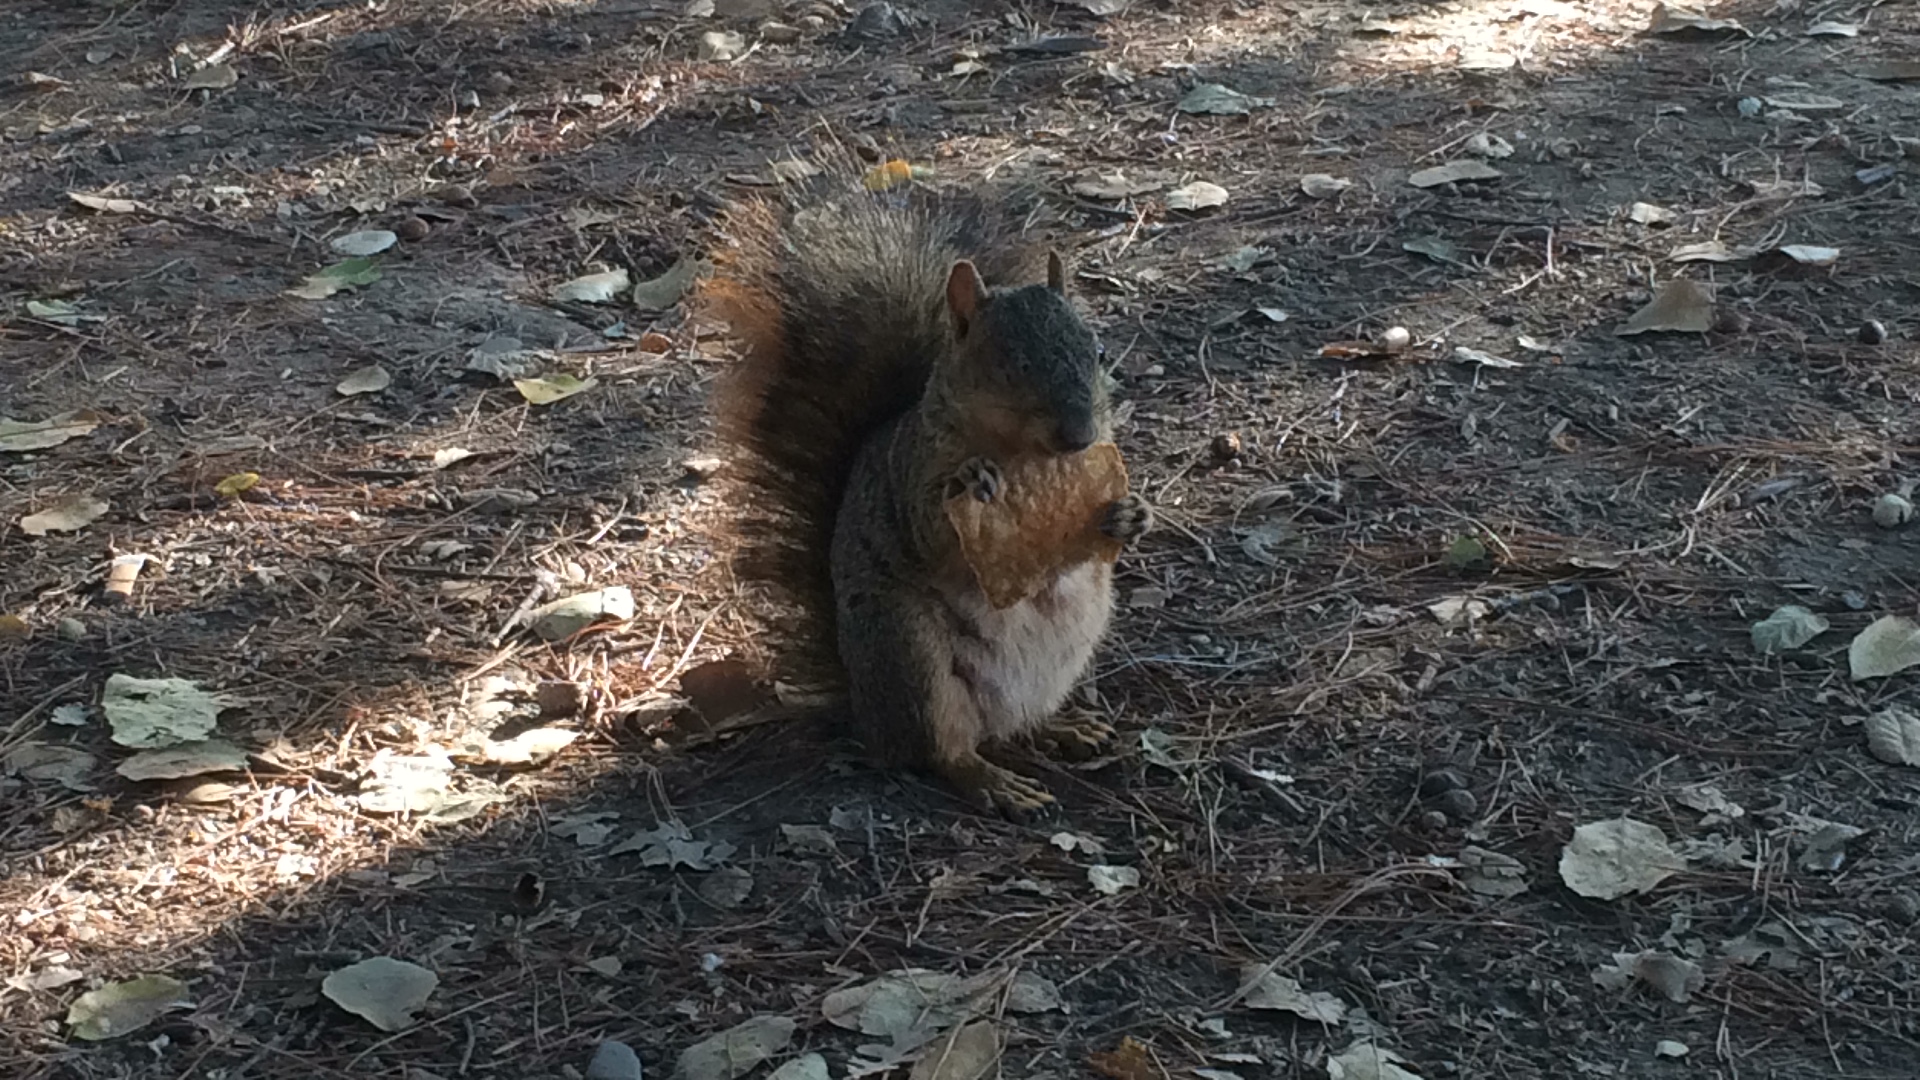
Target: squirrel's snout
<point>1075,433</point>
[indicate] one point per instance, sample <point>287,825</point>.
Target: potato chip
<point>1046,519</point>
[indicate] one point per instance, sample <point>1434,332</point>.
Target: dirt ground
<point>1313,756</point>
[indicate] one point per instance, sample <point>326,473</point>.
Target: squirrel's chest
<point>1019,663</point>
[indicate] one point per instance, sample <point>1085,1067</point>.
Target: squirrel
<point>896,352</point>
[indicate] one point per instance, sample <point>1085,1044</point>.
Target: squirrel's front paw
<point>1128,519</point>
<point>979,477</point>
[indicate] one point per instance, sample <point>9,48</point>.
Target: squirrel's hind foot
<point>1128,519</point>
<point>979,477</point>
<point>1074,738</point>
<point>995,788</point>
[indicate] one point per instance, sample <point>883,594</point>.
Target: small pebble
<point>1873,332</point>
<point>614,1061</point>
<point>1395,338</point>
<point>1904,907</point>
<point>411,228</point>
<point>1434,821</point>
<point>70,629</point>
<point>1226,446</point>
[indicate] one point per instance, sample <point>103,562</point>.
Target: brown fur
<point>889,364</point>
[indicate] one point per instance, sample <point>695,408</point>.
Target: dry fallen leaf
<point>1455,172</point>
<point>969,1052</point>
<point>1046,517</point>
<point>1262,988</point>
<point>1113,186</point>
<point>1131,1060</point>
<point>1667,19</point>
<point>365,242</point>
<point>1365,1061</point>
<point>1199,195</point>
<point>117,1008</point>
<point>212,77</point>
<point>736,1051</point>
<point>1606,860</point>
<point>552,388</point>
<point>1323,186</point>
<point>67,515</point>
<point>381,990</point>
<point>21,436</point>
<point>1893,735</point>
<point>367,380</point>
<point>593,288</point>
<point>1675,978</point>
<point>1890,644</point>
<point>1682,306</point>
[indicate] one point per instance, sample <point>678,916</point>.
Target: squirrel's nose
<point>1075,434</point>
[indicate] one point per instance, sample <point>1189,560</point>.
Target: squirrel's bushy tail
<point>838,308</point>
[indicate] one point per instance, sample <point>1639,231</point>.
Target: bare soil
<point>1307,748</point>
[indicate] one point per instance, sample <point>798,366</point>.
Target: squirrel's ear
<point>965,293</point>
<point>1056,272</point>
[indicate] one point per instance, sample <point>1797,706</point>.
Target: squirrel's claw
<point>978,477</point>
<point>1074,738</point>
<point>1128,519</point>
<point>995,788</point>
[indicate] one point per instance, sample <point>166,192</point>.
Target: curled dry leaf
<point>569,615</point>
<point>1110,880</point>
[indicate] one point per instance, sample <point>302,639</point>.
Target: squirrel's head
<point>1028,369</point>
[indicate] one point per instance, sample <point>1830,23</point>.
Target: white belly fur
<point>1027,658</point>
